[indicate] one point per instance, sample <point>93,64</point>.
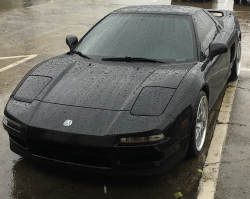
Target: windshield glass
<point>151,36</point>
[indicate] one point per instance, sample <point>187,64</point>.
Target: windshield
<point>151,36</point>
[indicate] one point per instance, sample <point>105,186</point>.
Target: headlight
<point>152,101</point>
<point>151,138</point>
<point>10,121</point>
<point>31,88</point>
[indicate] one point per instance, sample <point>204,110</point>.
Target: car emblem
<point>67,123</point>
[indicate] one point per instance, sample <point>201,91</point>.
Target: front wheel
<point>235,70</point>
<point>199,127</point>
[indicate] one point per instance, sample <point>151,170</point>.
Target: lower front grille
<point>141,158</point>
<point>70,154</point>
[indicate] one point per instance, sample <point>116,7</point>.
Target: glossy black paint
<point>217,49</point>
<point>71,41</point>
<point>110,100</point>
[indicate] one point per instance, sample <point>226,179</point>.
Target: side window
<point>206,29</point>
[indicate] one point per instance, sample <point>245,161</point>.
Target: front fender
<point>182,104</point>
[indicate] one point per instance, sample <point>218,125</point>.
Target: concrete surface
<point>40,27</point>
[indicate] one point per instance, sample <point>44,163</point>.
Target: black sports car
<point>132,96</point>
<point>247,2</point>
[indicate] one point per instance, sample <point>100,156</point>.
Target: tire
<point>235,70</point>
<point>237,1</point>
<point>199,127</point>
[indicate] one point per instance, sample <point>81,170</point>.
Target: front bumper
<point>94,153</point>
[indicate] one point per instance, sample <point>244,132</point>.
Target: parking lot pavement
<point>42,29</point>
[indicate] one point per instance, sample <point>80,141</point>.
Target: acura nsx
<point>132,96</point>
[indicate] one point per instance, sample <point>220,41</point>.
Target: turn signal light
<point>151,138</point>
<point>13,122</point>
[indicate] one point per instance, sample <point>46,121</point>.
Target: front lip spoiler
<point>104,171</point>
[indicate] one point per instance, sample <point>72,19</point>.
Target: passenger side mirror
<point>217,49</point>
<point>71,41</point>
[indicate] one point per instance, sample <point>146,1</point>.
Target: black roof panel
<point>185,10</point>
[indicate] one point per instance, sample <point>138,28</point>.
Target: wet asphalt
<point>40,27</point>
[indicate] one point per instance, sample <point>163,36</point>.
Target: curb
<point>208,182</point>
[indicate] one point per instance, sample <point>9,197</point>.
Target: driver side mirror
<point>217,49</point>
<point>71,41</point>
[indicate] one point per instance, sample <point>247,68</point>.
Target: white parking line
<point>245,69</point>
<point>13,57</point>
<point>26,58</point>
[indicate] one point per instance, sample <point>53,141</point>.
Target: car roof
<point>159,9</point>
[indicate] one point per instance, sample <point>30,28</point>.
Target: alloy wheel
<point>201,123</point>
<point>238,58</point>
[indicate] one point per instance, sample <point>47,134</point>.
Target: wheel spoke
<point>197,134</point>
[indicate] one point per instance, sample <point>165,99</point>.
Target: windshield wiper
<point>131,59</point>
<point>80,54</point>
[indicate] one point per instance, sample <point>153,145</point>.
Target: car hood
<point>104,85</point>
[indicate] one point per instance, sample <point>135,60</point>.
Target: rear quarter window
<point>206,29</point>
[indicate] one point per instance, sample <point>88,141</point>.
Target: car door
<point>216,69</point>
